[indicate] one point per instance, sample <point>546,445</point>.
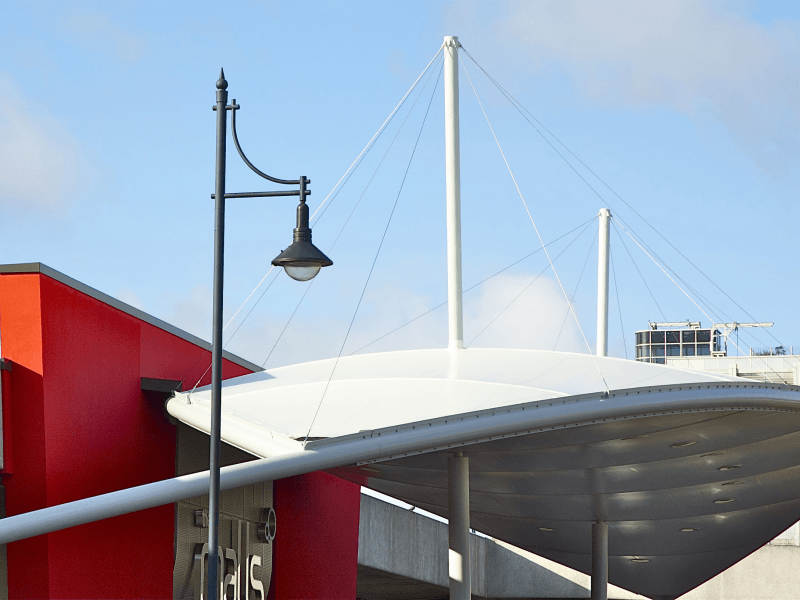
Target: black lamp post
<point>302,261</point>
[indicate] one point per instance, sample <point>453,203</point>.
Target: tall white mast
<point>602,284</point>
<point>453,179</point>
<point>458,465</point>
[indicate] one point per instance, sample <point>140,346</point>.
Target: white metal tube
<point>599,561</point>
<point>453,183</point>
<point>398,441</point>
<point>602,283</point>
<point>458,527</point>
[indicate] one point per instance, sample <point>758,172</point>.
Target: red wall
<point>81,427</point>
<point>76,425</point>
<point>21,338</point>
<point>316,541</point>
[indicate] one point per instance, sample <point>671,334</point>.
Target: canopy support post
<point>458,527</point>
<point>599,561</point>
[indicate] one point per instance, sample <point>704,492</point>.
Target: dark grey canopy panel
<point>689,493</point>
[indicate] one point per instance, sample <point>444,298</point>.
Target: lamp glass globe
<point>303,271</point>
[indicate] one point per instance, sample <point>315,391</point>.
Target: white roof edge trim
<point>235,431</point>
<point>584,409</point>
<point>487,424</point>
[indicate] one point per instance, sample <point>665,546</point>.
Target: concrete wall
<point>403,543</point>
<point>770,573</point>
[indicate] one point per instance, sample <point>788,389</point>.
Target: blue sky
<point>688,111</point>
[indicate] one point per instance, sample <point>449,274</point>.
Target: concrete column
<point>452,156</point>
<point>602,284</point>
<point>599,561</point>
<point>458,529</point>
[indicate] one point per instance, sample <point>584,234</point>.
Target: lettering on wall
<point>247,529</point>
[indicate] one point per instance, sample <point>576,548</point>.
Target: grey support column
<point>599,561</point>
<point>458,530</point>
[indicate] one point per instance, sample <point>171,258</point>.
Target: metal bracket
<point>235,107</point>
<point>261,194</point>
<point>6,365</point>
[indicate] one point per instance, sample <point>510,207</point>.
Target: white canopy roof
<point>692,471</point>
<point>372,391</point>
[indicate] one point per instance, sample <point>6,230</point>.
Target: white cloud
<point>533,321</point>
<point>312,338</point>
<point>691,56</point>
<point>538,319</point>
<point>39,160</point>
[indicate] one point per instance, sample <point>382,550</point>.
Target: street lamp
<point>301,260</point>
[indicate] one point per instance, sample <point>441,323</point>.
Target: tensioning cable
<point>644,281</point>
<point>686,294</point>
<point>378,133</point>
<point>575,292</point>
<point>534,280</point>
<point>522,110</point>
<point>472,287</point>
<point>350,170</point>
<point>619,304</point>
<point>375,260</point>
<point>536,229</point>
<point>352,212</point>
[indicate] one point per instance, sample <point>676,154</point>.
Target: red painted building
<point>82,415</point>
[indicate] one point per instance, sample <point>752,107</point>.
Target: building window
<point>673,337</point>
<point>703,350</point>
<point>688,350</point>
<point>673,350</point>
<point>657,337</point>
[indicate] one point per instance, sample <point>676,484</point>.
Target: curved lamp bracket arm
<point>234,107</point>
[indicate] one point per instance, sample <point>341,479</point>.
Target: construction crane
<point>726,329</point>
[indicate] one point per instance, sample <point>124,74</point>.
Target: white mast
<point>458,465</point>
<point>453,179</point>
<point>602,284</point>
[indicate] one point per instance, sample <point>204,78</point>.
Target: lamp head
<point>302,259</point>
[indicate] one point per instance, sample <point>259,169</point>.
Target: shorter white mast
<point>453,182</point>
<point>602,283</point>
